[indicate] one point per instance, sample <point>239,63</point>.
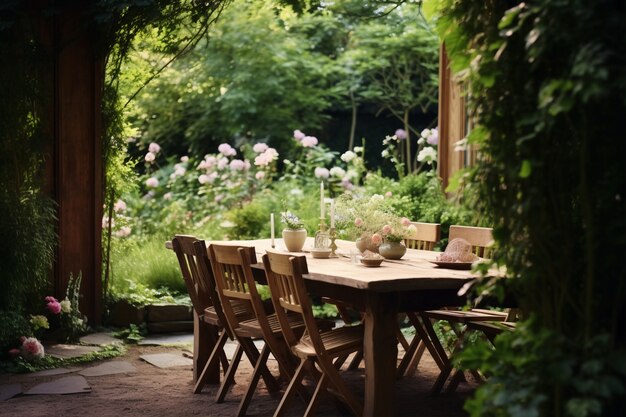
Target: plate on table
<point>454,265</point>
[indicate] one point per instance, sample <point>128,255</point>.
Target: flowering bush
<point>31,349</point>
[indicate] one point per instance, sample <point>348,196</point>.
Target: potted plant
<point>294,233</point>
<point>393,235</point>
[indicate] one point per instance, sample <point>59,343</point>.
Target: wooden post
<point>452,121</point>
<point>78,172</point>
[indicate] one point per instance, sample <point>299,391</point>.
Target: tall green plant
<point>547,82</point>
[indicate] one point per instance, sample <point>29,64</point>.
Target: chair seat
<point>492,327</point>
<point>242,311</point>
<point>253,327</point>
<point>466,316</point>
<point>342,340</point>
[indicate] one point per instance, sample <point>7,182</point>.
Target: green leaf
<point>526,169</point>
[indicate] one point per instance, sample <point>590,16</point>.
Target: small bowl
<point>372,262</point>
<point>320,253</point>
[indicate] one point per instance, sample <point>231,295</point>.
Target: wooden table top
<point>413,272</point>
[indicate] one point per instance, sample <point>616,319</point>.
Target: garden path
<point>142,389</point>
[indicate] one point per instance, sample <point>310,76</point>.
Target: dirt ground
<point>152,391</point>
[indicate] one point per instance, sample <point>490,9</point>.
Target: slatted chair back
<point>206,274</point>
<point>425,237</point>
<point>234,279</point>
<point>481,238</point>
<point>197,287</point>
<point>284,277</point>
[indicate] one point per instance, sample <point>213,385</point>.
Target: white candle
<point>332,213</point>
<point>322,213</point>
<point>272,227</point>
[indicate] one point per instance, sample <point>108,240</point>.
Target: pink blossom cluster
<point>305,140</point>
<point>322,172</point>
<point>31,348</point>
<point>53,305</point>
<point>226,150</point>
<point>153,150</point>
<point>266,158</point>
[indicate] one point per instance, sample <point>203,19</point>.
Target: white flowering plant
<point>291,221</point>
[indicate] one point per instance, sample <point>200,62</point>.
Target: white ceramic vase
<point>294,239</point>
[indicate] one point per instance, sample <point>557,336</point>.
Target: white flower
<point>298,135</point>
<point>348,156</point>
<point>66,305</point>
<point>321,172</point>
<point>385,153</point>
<point>358,149</point>
<point>259,147</point>
<point>184,159</point>
<point>427,155</point>
<point>377,198</point>
<point>179,171</point>
<point>309,141</point>
<point>237,165</point>
<point>222,163</point>
<point>296,191</point>
<point>152,182</point>
<point>167,196</point>
<point>154,148</point>
<point>421,141</point>
<point>461,145</point>
<point>351,174</point>
<point>425,133</point>
<point>150,157</point>
<point>337,172</point>
<point>259,175</point>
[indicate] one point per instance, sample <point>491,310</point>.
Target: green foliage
<point>325,311</point>
<point>50,362</point>
<point>147,264</point>
<point>530,365</point>
<point>133,334</point>
<point>547,101</point>
<point>73,323</point>
<point>13,325</point>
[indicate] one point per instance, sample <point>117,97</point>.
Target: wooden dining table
<point>412,283</point>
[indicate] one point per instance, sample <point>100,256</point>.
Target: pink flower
<point>32,349</point>
<point>152,182</point>
<point>322,172</point>
<point>259,147</point>
<point>167,196</point>
<point>154,148</point>
<point>377,239</point>
<point>388,194</point>
<point>387,229</point>
<point>259,175</point>
<point>226,150</point>
<point>433,139</point>
<point>119,206</point>
<point>222,163</point>
<point>400,134</point>
<point>298,135</point>
<point>309,141</point>
<point>358,222</point>
<point>150,157</point>
<point>50,299</point>
<point>237,165</point>
<point>184,158</point>
<point>123,232</point>
<point>54,307</point>
<point>405,222</point>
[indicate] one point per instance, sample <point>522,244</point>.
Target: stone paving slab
<point>167,360</point>
<point>9,391</point>
<point>69,385</point>
<point>99,339</point>
<point>109,368</point>
<point>56,371</point>
<point>70,351</point>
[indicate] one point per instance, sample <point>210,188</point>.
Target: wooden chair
<point>425,238</point>
<point>284,275</point>
<point>235,282</point>
<point>481,240</point>
<point>208,315</point>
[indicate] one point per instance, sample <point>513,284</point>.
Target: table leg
<point>380,353</point>
<point>204,339</point>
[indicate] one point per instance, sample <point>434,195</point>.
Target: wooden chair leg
<point>417,357</point>
<point>254,381</point>
<point>218,351</point>
<point>252,353</point>
<point>356,360</point>
<point>320,388</point>
<point>432,341</point>
<point>229,378</point>
<point>408,357</point>
<point>292,388</point>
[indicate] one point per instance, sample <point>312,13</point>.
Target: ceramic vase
<point>294,239</point>
<point>392,250</point>
<point>365,243</point>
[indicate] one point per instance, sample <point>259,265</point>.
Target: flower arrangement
<point>371,217</point>
<point>291,221</point>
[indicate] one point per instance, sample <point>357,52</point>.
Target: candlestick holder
<point>321,236</point>
<point>333,246</point>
